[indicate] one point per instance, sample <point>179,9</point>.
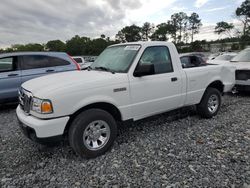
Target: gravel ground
<point>167,150</point>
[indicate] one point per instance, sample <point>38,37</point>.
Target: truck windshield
<point>116,58</point>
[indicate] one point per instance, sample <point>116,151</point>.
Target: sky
<point>38,21</point>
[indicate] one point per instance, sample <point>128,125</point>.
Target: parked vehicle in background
<point>80,60</point>
<point>223,57</point>
<point>189,61</point>
<point>213,55</point>
<point>242,74</point>
<point>16,68</point>
<point>127,82</point>
<point>203,55</point>
<point>90,59</point>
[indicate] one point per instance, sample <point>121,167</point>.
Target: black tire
<point>81,122</point>
<point>203,106</point>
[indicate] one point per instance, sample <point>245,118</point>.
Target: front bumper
<point>36,129</point>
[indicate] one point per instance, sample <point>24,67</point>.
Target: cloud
<point>30,21</point>
<point>200,3</point>
<point>155,11</point>
<point>239,2</point>
<point>216,9</point>
<point>178,8</point>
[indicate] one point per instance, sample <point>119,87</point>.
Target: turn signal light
<point>46,107</point>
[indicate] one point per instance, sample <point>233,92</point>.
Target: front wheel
<point>210,103</point>
<point>92,133</point>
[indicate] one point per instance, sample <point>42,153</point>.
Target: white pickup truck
<point>128,81</point>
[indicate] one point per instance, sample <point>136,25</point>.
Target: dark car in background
<point>16,68</point>
<point>190,60</point>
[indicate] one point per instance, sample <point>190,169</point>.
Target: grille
<point>25,98</point>
<point>242,74</point>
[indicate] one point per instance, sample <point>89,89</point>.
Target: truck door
<point>159,91</point>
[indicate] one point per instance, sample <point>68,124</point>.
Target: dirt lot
<point>167,150</point>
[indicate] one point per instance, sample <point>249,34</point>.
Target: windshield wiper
<point>105,69</point>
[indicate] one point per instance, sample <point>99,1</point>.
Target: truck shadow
<point>8,106</point>
<point>128,131</point>
<point>240,94</point>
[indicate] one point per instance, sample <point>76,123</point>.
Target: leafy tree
<point>56,45</point>
<point>1,50</point>
<point>103,36</point>
<point>77,45</point>
<point>146,30</point>
<point>120,36</point>
<point>180,21</point>
<point>196,46</point>
<point>235,47</point>
<point>162,32</point>
<point>96,46</point>
<point>130,34</point>
<point>186,36</point>
<point>243,13</point>
<point>173,29</point>
<point>194,24</point>
<point>28,47</point>
<point>245,40</point>
<point>17,47</point>
<point>108,39</point>
<point>224,28</point>
<point>9,50</point>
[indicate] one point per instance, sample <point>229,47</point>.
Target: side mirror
<point>144,69</point>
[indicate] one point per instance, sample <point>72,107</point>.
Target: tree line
<point>180,29</point>
<point>75,46</point>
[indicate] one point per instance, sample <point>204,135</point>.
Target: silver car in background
<point>16,68</point>
<point>82,63</point>
<point>223,57</point>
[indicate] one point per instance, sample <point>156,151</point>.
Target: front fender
<point>94,99</point>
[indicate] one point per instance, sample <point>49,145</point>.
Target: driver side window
<point>159,58</point>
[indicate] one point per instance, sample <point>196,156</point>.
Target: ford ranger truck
<point>128,81</point>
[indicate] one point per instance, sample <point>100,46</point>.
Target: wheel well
<point>113,110</point>
<point>217,85</point>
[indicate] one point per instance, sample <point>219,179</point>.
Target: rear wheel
<point>92,133</point>
<point>210,103</point>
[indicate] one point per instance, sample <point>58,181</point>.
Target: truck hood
<point>239,65</point>
<point>42,86</point>
<point>217,61</point>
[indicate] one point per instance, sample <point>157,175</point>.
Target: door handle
<point>50,70</point>
<point>174,79</point>
<point>12,75</point>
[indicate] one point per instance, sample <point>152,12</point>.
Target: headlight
<point>41,106</point>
